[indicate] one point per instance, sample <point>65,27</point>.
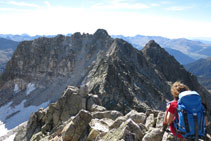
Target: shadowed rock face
<point>117,75</point>
<point>52,64</point>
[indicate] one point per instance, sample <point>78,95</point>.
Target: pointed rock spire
<point>152,44</point>
<point>101,33</point>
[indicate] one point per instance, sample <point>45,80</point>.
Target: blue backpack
<point>191,114</point>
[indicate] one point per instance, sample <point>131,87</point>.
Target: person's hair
<point>177,88</point>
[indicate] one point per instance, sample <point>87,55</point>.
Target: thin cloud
<point>47,3</point>
<point>118,4</point>
<point>88,20</point>
<point>155,4</point>
<point>178,8</point>
<point>23,4</point>
<point>166,2</point>
<point>12,10</point>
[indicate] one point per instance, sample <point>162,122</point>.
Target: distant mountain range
<point>182,49</point>
<point>202,69</point>
<point>185,51</point>
<point>7,47</point>
<point>25,37</point>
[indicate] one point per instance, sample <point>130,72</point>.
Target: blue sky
<point>168,18</point>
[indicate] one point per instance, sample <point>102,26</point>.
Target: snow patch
<point>3,129</point>
<point>13,116</point>
<point>10,138</point>
<point>16,89</point>
<point>30,87</point>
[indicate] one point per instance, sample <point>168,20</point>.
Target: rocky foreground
<point>78,115</point>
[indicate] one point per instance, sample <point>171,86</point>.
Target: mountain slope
<point>40,70</point>
<point>179,56</point>
<point>202,69</point>
<point>7,44</point>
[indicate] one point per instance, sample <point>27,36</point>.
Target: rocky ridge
<point>70,119</point>
<point>110,73</point>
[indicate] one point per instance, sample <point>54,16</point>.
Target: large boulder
<point>98,127</point>
<point>118,122</point>
<point>128,129</point>
<point>168,137</point>
<point>160,119</point>
<point>136,116</point>
<point>107,114</point>
<point>68,105</point>
<point>97,108</point>
<point>154,134</point>
<point>35,123</point>
<point>74,130</point>
<point>150,121</point>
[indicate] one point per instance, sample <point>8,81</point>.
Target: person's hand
<point>165,125</point>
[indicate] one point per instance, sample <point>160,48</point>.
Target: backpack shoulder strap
<point>185,93</point>
<point>196,126</point>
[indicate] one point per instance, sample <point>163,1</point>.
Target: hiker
<point>170,115</point>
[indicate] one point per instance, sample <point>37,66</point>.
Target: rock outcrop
<point>92,125</point>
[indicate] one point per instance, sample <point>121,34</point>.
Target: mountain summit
<point>109,72</point>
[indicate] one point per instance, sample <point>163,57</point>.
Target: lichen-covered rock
<point>39,137</point>
<point>92,101</point>
<point>160,119</point>
<point>126,129</point>
<point>168,137</point>
<point>107,114</point>
<point>150,121</point>
<point>76,128</point>
<point>93,134</point>
<point>136,116</point>
<point>118,122</point>
<point>154,134</point>
<point>97,108</point>
<point>45,120</point>
<point>97,127</point>
<point>35,123</point>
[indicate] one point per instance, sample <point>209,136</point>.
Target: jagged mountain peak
<point>122,45</point>
<point>151,44</point>
<point>153,47</point>
<point>156,54</point>
<point>101,33</point>
<point>76,35</point>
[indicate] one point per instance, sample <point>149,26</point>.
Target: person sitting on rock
<point>176,89</point>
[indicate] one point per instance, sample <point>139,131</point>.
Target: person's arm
<point>169,118</point>
<point>165,124</point>
<point>165,116</point>
<point>206,121</point>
